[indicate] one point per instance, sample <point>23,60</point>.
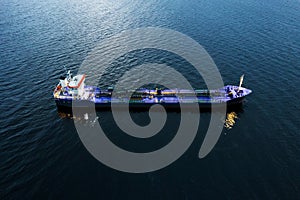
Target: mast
<point>241,81</point>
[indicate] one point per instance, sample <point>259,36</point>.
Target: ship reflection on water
<point>232,115</point>
<point>230,120</point>
<point>86,118</point>
<point>64,114</point>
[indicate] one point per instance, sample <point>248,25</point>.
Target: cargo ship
<point>72,91</point>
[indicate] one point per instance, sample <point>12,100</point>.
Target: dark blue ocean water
<point>41,155</point>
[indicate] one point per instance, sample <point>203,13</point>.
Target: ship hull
<point>83,104</point>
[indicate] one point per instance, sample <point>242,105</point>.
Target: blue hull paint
<point>104,106</point>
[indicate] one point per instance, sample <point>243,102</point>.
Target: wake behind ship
<point>72,89</point>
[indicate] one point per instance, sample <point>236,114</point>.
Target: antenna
<point>66,69</point>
